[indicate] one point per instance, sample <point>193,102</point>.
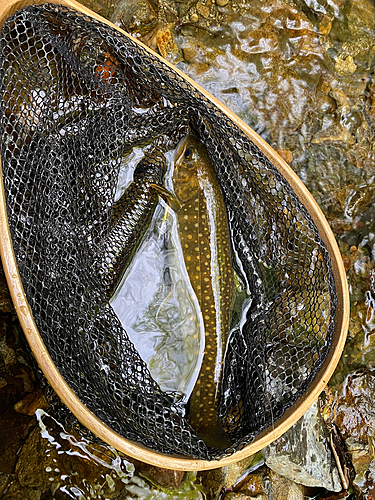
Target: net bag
<point>76,96</point>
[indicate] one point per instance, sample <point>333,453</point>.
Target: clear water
<point>111,472</point>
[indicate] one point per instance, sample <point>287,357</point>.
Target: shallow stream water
<point>300,72</point>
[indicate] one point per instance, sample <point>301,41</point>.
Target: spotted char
<point>204,234</point>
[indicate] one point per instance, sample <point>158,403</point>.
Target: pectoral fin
<point>167,196</point>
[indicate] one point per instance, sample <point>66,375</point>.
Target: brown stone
<point>190,53</point>
<point>355,407</point>
<point>166,478</point>
<point>264,484</point>
<point>167,45</point>
<point>217,480</point>
<point>135,16</point>
<point>50,460</point>
<point>203,10</point>
<point>243,496</point>
<point>17,492</point>
<point>5,298</point>
<point>325,25</point>
<point>95,5</point>
<point>285,154</point>
<point>345,67</point>
<point>284,489</point>
<point>36,450</point>
<point>5,480</point>
<point>347,263</point>
<point>355,419</point>
<point>254,484</point>
<point>30,403</point>
<point>13,431</point>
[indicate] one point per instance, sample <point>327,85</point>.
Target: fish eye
<point>189,153</point>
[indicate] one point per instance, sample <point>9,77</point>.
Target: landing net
<point>76,96</point>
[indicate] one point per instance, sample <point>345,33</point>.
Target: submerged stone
<point>303,454</point>
<point>166,43</point>
<point>11,441</point>
<point>354,412</point>
<point>5,299</point>
<point>136,16</point>
<point>30,403</point>
<point>282,488</point>
<point>166,478</point>
<point>60,463</point>
<point>218,480</point>
<point>265,484</point>
<point>17,492</point>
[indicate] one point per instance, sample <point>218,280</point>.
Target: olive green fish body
<point>143,127</point>
<point>204,235</point>
<point>131,216</point>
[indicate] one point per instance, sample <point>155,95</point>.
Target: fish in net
<point>76,97</point>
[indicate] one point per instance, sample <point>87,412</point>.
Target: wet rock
<point>359,23</point>
<point>59,467</point>
<point>5,480</point>
<point>354,412</point>
<point>285,154</point>
<point>325,25</point>
<point>7,353</point>
<point>303,454</point>
<point>361,457</point>
<point>36,450</point>
<point>30,403</point>
<point>274,69</point>
<point>56,466</point>
<point>283,489</point>
<point>265,484</point>
<point>345,67</point>
<point>5,298</point>
<point>17,492</point>
<point>359,350</point>
<point>243,496</point>
<point>206,13</point>
<point>13,431</point>
<point>166,44</point>
<point>166,478</point>
<point>60,464</point>
<point>16,377</point>
<point>135,16</point>
<point>253,486</point>
<point>102,7</point>
<point>219,479</point>
<point>203,10</point>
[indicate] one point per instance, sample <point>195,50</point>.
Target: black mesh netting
<point>76,95</point>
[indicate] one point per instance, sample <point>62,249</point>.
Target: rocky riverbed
<point>301,73</point>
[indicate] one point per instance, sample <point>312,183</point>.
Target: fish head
<point>190,158</point>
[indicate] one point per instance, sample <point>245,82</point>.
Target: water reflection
<point>113,467</point>
<point>80,469</point>
<point>157,306</point>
